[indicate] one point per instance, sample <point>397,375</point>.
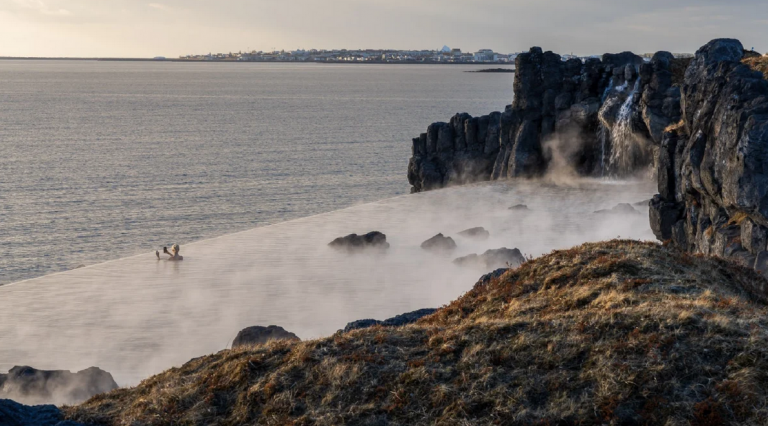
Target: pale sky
<point>136,28</point>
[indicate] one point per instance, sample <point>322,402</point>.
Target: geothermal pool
<point>138,316</point>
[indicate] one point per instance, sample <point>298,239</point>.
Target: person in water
<point>173,253</point>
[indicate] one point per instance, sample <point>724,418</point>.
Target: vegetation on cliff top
<point>620,332</point>
<point>757,63</point>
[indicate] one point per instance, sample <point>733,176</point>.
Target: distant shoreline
<point>22,58</point>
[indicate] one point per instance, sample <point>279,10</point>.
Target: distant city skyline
<point>172,28</point>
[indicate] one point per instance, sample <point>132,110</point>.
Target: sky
<point>136,28</point>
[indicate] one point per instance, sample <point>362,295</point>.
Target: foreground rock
<point>355,243</point>
<point>14,414</point>
<point>478,233</point>
<point>31,386</point>
<point>439,243</point>
<point>396,321</point>
<point>602,117</point>
<point>622,332</point>
<point>712,168</point>
<point>493,259</point>
<point>258,335</point>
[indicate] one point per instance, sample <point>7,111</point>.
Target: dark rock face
<point>258,335</point>
<point>439,243</point>
<point>14,414</point>
<point>601,117</point>
<point>354,242</point>
<point>31,386</point>
<point>396,321</point>
<point>713,166</point>
<point>493,259</point>
<point>478,233</point>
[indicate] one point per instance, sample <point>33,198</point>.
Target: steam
<point>138,316</point>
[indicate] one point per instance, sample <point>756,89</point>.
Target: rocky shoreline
<point>703,133</point>
<point>699,126</point>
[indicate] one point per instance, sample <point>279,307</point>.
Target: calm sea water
<point>101,160</point>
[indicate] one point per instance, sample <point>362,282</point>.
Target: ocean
<point>103,160</point>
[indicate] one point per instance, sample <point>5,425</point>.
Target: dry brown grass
<point>675,127</point>
<point>757,63</point>
<point>619,332</point>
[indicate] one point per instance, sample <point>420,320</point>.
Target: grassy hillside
<point>619,332</point>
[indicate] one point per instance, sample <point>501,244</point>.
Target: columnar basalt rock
<point>564,114</point>
<point>713,165</point>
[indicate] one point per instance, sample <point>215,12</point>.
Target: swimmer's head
<point>175,249</point>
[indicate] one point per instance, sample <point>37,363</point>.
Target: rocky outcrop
<point>14,414</point>
<point>353,242</point>
<point>31,386</point>
<point>396,321</point>
<point>595,118</point>
<point>258,335</point>
<point>493,259</point>
<point>713,166</point>
<point>439,243</point>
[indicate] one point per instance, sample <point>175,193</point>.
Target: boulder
<point>31,386</point>
<point>396,321</point>
<point>478,233</point>
<point>354,242</point>
<point>493,259</point>
<point>439,243</point>
<point>258,335</point>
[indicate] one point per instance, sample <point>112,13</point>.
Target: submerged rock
<point>493,259</point>
<point>479,233</point>
<point>354,242</point>
<point>439,243</point>
<point>396,321</point>
<point>258,335</point>
<point>519,207</point>
<point>619,209</point>
<point>31,386</point>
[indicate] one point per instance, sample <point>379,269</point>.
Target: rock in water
<point>31,386</point>
<point>354,242</point>
<point>479,233</point>
<point>396,321</point>
<point>258,335</point>
<point>519,207</point>
<point>439,243</point>
<point>619,209</point>
<point>493,259</point>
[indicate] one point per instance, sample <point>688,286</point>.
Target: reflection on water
<point>137,316</point>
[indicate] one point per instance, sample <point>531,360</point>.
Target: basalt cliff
<point>713,165</point>
<point>699,126</point>
<point>601,117</point>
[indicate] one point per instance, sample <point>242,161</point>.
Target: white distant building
<point>484,55</point>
